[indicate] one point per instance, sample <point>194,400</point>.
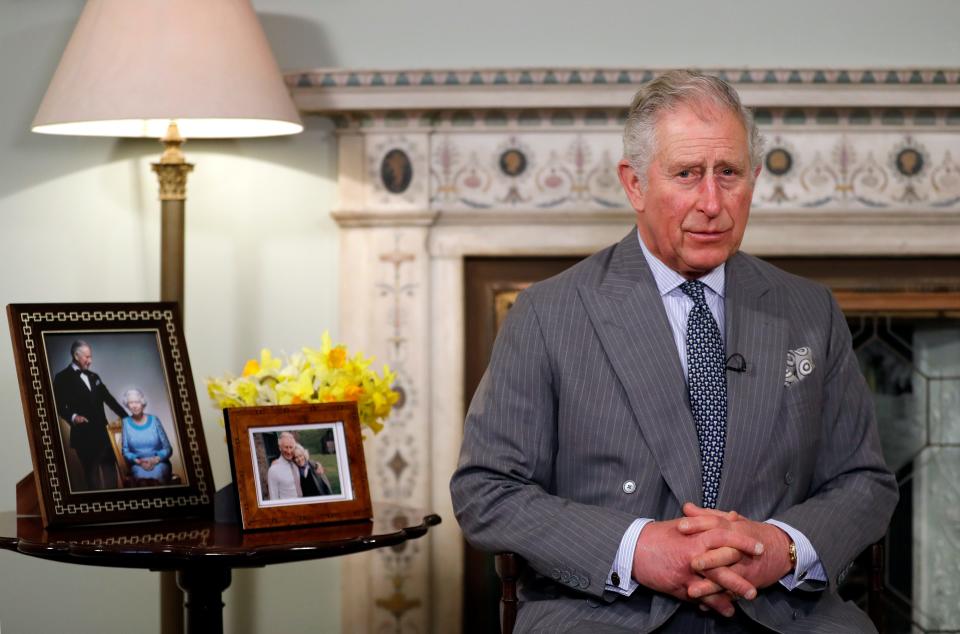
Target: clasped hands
<point>148,463</point>
<point>713,557</point>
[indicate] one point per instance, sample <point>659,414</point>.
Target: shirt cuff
<point>808,570</point>
<point>620,579</point>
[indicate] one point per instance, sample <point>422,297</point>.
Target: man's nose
<point>709,202</point>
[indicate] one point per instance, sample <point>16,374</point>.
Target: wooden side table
<point>204,552</point>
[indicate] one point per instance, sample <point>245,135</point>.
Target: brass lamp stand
<point>172,173</point>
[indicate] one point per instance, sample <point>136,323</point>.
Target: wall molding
<point>338,90</point>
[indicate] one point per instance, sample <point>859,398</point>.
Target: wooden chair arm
<point>509,567</point>
<point>875,584</point>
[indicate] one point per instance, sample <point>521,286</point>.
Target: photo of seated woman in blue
<point>145,445</point>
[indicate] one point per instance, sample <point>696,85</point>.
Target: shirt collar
<point>667,279</point>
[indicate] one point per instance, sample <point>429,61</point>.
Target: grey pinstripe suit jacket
<point>585,391</point>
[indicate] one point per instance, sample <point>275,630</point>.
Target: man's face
<point>286,447</point>
<point>694,208</point>
<point>83,358</point>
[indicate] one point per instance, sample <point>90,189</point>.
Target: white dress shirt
<point>283,480</point>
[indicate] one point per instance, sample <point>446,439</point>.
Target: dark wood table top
<point>189,543</point>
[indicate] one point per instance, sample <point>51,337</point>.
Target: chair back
<point>115,433</point>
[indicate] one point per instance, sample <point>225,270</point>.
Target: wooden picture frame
<point>91,464</point>
<point>277,485</point>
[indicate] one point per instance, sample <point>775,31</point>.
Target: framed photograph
<point>298,464</point>
<point>111,412</point>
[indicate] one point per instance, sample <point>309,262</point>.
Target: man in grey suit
<point>676,435</point>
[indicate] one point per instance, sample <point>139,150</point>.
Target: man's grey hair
<point>76,345</point>
<point>666,93</point>
<point>287,434</point>
<point>135,392</point>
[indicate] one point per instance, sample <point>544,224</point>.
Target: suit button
<point>584,582</point>
<point>796,615</point>
<point>565,577</point>
<point>575,581</point>
<point>788,478</point>
<point>555,574</point>
<point>629,486</point>
<point>615,579</point>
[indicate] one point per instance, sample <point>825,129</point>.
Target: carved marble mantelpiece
<point>436,165</point>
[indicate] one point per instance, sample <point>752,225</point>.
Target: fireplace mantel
<point>438,165</point>
<point>858,162</point>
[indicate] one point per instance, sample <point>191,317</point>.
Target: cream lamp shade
<point>133,66</point>
<point>168,69</point>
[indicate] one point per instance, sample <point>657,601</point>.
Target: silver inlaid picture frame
<point>111,412</point>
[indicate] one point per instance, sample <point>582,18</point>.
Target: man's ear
<point>756,171</point>
<point>631,184</point>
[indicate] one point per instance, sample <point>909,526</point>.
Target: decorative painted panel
<point>396,176</point>
<point>860,170</point>
<point>384,310</point>
<point>536,170</point>
<point>874,169</point>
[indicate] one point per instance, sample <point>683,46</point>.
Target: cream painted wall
<point>78,217</point>
<point>639,33</point>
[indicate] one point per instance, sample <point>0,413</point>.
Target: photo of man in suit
<point>676,435</point>
<point>80,397</point>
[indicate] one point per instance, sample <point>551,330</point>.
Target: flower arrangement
<point>310,376</point>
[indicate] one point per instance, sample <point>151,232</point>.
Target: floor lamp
<point>162,69</point>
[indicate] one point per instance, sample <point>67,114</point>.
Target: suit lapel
<point>628,315</point>
<point>755,328</point>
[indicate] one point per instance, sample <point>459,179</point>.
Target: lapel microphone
<point>736,363</point>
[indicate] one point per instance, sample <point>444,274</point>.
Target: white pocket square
<point>799,365</point>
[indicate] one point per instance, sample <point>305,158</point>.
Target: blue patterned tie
<point>707,381</point>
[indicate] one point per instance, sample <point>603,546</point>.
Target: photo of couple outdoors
<point>297,465</point>
<point>110,442</point>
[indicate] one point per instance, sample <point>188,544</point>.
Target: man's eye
<point>684,174</point>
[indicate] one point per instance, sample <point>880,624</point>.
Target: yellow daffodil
<point>295,390</point>
<point>247,392</point>
<point>326,375</point>
<point>336,357</point>
<point>269,365</point>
